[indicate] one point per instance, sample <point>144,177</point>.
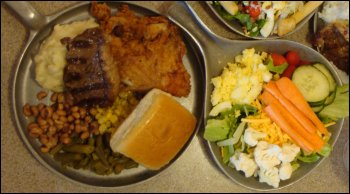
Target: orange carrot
<point>276,115</point>
<point>302,119</point>
<point>312,138</point>
<point>292,93</point>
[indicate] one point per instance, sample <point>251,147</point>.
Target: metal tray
<point>25,88</point>
<point>237,27</point>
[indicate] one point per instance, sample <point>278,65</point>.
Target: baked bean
<point>93,111</point>
<point>85,135</point>
<point>82,112</point>
<point>77,121</point>
<point>54,97</point>
<point>51,130</point>
<point>60,107</point>
<point>35,110</point>
<point>74,109</point>
<point>35,132</point>
<point>60,98</point>
<point>63,119</point>
<point>43,139</point>
<point>26,110</point>
<point>32,125</point>
<point>70,118</point>
<point>50,122</point>
<point>88,119</point>
<point>44,127</point>
<point>77,128</point>
<point>44,149</point>
<point>76,115</point>
<point>61,112</point>
<point>41,121</point>
<point>65,139</point>
<point>71,127</point>
<point>41,95</point>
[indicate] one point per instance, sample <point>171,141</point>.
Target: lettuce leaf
<point>276,69</point>
<point>216,129</point>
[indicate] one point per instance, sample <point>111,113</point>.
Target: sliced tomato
<point>289,71</point>
<point>292,58</point>
<point>253,9</point>
<point>278,59</point>
<point>302,62</point>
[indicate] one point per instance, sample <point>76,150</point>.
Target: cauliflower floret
<point>244,163</point>
<point>289,152</point>
<point>269,176</point>
<point>265,155</point>
<point>285,171</point>
<point>252,136</point>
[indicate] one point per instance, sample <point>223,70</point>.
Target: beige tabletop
<point>192,172</point>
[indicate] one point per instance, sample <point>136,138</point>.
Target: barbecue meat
<point>91,75</point>
<point>333,41</point>
<point>148,50</point>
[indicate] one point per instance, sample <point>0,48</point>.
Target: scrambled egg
<point>241,82</point>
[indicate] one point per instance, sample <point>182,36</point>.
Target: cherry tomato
<point>304,63</point>
<point>293,58</point>
<point>278,59</point>
<point>289,71</point>
<point>253,9</point>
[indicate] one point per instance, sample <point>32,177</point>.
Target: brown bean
<point>60,107</point>
<point>76,115</point>
<point>54,97</point>
<point>63,119</point>
<point>70,118</point>
<point>44,139</point>
<point>44,149</point>
<point>50,122</point>
<point>41,95</point>
<point>44,127</point>
<point>82,112</point>
<point>59,126</point>
<point>77,128</point>
<point>55,116</point>
<point>95,131</point>
<point>35,110</point>
<point>65,139</point>
<point>41,121</point>
<point>93,111</point>
<point>51,131</point>
<point>84,128</point>
<point>88,119</point>
<point>60,98</point>
<point>32,125</point>
<point>71,127</point>
<point>85,135</point>
<point>46,112</point>
<point>35,132</point>
<point>41,106</point>
<point>77,121</point>
<point>52,141</point>
<point>74,109</point>
<point>26,110</point>
<point>61,112</point>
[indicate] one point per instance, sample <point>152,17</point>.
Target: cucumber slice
<point>330,98</point>
<point>318,103</point>
<point>317,109</point>
<point>311,82</point>
<point>327,73</point>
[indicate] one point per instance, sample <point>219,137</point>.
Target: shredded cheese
<point>262,123</point>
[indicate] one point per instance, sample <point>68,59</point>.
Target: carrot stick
<point>276,115</point>
<point>292,93</point>
<point>312,138</point>
<point>301,118</point>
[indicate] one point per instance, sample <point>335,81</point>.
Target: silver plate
<point>26,88</point>
<point>237,27</point>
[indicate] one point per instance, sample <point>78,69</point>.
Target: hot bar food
<point>101,73</point>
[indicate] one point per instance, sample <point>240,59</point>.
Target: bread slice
<point>155,131</point>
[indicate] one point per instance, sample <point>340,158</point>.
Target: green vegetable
<point>222,11</point>
<point>340,106</point>
<point>78,148</point>
<point>216,129</point>
<point>243,19</point>
<point>277,69</point>
<point>295,165</point>
<point>326,150</point>
<point>309,158</point>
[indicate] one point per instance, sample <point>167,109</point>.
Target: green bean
<point>68,157</point>
<point>118,168</point>
<point>91,141</point>
<point>99,142</point>
<point>100,168</point>
<point>79,148</point>
<point>106,138</point>
<point>131,164</point>
<point>101,155</point>
<point>94,156</point>
<point>116,155</point>
<point>122,160</point>
<point>82,163</point>
<point>56,149</point>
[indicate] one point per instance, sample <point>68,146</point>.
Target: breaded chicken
<point>148,50</point>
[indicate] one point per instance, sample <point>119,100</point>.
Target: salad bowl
<point>218,51</point>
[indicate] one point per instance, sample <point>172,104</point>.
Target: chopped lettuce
<point>222,11</point>
<point>309,158</point>
<point>326,150</point>
<point>216,129</point>
<point>340,106</point>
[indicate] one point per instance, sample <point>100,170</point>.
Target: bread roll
<point>155,131</point>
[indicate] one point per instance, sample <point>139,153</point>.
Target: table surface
<point>192,172</point>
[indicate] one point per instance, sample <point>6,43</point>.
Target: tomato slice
<point>253,9</point>
<point>293,58</point>
<point>278,59</point>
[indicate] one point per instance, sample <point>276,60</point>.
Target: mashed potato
<point>335,10</point>
<point>242,81</point>
<point>51,59</point>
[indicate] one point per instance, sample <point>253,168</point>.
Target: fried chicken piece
<point>149,50</point>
